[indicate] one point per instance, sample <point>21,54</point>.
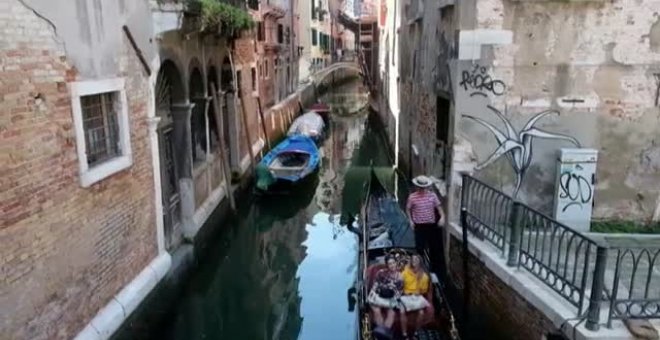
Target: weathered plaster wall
<point>92,40</point>
<point>426,47</point>
<point>66,250</point>
<point>388,71</point>
<point>596,65</point>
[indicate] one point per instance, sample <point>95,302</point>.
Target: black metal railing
<point>571,263</point>
<point>636,284</point>
<point>488,211</point>
<point>555,254</point>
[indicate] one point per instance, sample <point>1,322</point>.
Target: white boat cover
<point>309,124</point>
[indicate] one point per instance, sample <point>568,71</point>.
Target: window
<point>261,31</point>
<point>253,73</point>
<point>266,68</point>
<point>100,115</point>
<point>313,9</point>
<point>287,35</point>
<point>280,33</point>
<point>239,83</point>
<point>442,119</point>
<point>314,37</point>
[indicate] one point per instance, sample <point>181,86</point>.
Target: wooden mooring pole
<point>263,123</point>
<point>226,170</point>
<point>244,115</point>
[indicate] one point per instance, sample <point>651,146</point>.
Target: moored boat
<point>385,233</point>
<point>295,158</point>
<point>309,124</point>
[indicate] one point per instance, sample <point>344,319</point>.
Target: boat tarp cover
<point>355,181</point>
<point>391,214</point>
<point>309,124</point>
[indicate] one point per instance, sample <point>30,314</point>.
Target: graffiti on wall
<point>576,189</point>
<point>516,146</point>
<point>479,82</point>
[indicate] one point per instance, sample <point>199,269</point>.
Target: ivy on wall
<point>218,14</point>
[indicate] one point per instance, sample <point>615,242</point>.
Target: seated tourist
<point>416,284</point>
<point>385,292</point>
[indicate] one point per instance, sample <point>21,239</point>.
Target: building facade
<point>315,36</point>
<point>497,88</point>
<point>275,50</point>
<point>78,199</point>
<point>120,132</point>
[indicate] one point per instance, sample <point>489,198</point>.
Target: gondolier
<point>424,211</point>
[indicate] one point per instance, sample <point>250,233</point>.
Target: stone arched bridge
<point>319,76</point>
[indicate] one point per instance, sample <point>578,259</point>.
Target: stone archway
<point>169,92</point>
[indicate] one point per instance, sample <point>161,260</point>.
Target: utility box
<point>575,187</point>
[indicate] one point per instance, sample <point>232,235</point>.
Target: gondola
<point>385,230</point>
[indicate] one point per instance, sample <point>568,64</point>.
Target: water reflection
<point>282,266</point>
<point>325,274</point>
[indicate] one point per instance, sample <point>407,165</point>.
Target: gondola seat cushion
<point>429,312</point>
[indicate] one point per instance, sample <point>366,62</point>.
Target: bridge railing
<point>635,292</point>
<point>572,264</point>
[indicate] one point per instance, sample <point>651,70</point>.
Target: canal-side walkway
<point>585,284</point>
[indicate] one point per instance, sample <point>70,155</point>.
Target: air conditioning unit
<point>575,187</point>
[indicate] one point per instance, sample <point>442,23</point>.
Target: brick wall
<point>494,302</point>
<point>66,249</point>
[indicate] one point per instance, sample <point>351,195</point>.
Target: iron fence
<point>488,211</point>
<point>635,290</point>
<point>555,254</point>
<point>571,263</point>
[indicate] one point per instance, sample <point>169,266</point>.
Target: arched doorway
<point>169,90</point>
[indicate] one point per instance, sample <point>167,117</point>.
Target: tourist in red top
<point>422,206</point>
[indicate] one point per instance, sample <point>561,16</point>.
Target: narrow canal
<point>280,268</point>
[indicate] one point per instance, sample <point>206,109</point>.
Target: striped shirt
<point>421,205</point>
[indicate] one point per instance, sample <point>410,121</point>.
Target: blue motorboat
<point>290,161</point>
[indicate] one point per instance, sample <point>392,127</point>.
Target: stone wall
<point>595,66</point>
<point>66,249</point>
<point>498,306</point>
<point>280,116</point>
<point>592,66</point>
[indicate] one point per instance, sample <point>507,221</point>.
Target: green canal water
<point>280,268</point>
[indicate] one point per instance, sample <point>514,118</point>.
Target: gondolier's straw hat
<point>422,181</point>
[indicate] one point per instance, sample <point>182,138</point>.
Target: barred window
<point>101,127</point>
<point>100,115</point>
